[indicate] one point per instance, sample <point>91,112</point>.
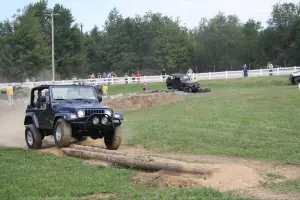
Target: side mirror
<point>99,98</point>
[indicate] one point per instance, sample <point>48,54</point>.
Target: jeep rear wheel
<point>62,133</point>
<point>113,138</point>
<point>81,138</point>
<point>207,90</point>
<point>297,80</point>
<point>33,137</point>
<point>201,90</point>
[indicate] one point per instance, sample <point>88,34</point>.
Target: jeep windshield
<point>184,78</point>
<point>75,92</point>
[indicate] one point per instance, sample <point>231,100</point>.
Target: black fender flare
<point>31,118</point>
<point>65,116</point>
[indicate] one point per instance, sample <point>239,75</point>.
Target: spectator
<point>144,86</point>
<point>108,77</point>
<point>126,78</point>
<point>99,75</point>
<point>190,73</point>
<point>163,73</point>
<point>104,89</point>
<point>10,94</point>
<point>270,67</point>
<point>245,69</point>
<point>104,76</point>
<point>138,75</point>
<point>93,76</point>
<point>133,77</point>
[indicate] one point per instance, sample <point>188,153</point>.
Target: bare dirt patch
<point>224,178</point>
<point>131,102</point>
<point>99,196</point>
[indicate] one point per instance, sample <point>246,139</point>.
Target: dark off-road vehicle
<point>70,111</point>
<point>182,82</point>
<point>295,77</point>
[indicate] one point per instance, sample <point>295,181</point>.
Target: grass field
<point>254,118</point>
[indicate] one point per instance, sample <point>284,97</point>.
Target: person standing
<point>138,75</point>
<point>144,86</point>
<point>10,94</point>
<point>126,78</point>
<point>270,67</point>
<point>104,89</point>
<point>245,69</point>
<point>190,73</point>
<point>163,73</point>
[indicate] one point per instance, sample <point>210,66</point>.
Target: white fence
<point>148,79</point>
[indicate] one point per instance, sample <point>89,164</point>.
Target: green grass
<point>133,88</point>
<point>285,186</point>
<point>27,175</point>
<point>254,117</point>
<point>273,176</point>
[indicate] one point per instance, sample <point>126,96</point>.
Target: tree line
<point>146,43</point>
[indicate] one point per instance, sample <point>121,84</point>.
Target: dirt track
<point>242,175</point>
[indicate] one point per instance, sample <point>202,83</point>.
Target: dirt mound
<point>137,101</point>
<point>224,178</point>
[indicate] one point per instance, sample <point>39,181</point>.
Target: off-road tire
<point>195,90</point>
<point>297,80</point>
<point>36,137</point>
<point>81,138</point>
<point>187,89</point>
<point>113,138</point>
<point>293,82</point>
<point>66,133</point>
<point>207,90</point>
<point>201,90</point>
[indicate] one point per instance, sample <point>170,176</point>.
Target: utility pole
<point>52,36</point>
<point>81,46</point>
<point>81,34</point>
<point>81,38</point>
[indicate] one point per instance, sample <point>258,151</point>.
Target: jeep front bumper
<point>96,122</point>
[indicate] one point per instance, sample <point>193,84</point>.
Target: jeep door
<point>177,83</point>
<point>169,81</point>
<point>45,114</point>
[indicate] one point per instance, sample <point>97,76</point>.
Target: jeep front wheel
<point>62,133</point>
<point>33,137</point>
<point>113,138</point>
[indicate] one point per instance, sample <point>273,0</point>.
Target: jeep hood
<point>295,73</point>
<point>71,107</point>
<point>191,82</point>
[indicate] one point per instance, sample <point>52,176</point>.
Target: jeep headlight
<point>108,112</point>
<point>80,113</point>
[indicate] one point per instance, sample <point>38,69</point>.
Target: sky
<point>95,12</point>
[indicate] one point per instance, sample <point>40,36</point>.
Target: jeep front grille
<point>89,112</point>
